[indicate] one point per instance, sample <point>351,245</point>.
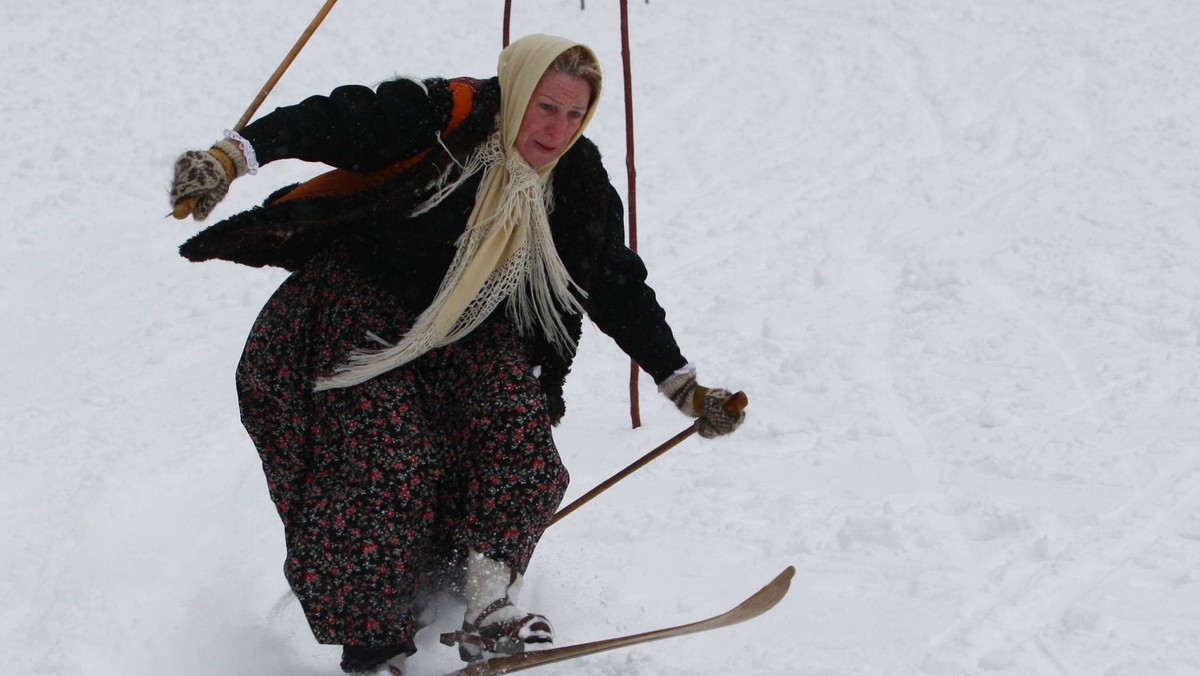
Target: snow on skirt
<point>386,482</point>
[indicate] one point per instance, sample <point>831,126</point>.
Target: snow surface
<point>949,249</point>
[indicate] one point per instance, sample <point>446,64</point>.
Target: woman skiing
<point>400,386</point>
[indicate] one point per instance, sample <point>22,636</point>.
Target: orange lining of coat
<point>344,182</point>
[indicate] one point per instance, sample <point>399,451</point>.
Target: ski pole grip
<point>736,403</point>
<point>184,208</point>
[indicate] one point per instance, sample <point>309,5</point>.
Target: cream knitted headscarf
<point>507,242</point>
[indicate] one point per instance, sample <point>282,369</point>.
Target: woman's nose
<point>557,126</point>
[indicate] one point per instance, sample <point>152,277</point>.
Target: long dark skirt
<point>381,484</point>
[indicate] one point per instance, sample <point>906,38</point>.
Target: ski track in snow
<point>948,249</point>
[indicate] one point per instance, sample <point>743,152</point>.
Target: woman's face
<point>552,117</point>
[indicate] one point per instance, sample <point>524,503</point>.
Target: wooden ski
<point>759,603</point>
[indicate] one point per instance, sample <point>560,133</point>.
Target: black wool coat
<point>388,146</point>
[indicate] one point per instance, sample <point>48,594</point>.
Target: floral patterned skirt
<point>382,484</point>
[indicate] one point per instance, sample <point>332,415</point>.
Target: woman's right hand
<point>202,179</point>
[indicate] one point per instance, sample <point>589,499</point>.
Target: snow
<point>948,249</point>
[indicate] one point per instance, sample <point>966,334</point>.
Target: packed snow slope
<point>949,250</point>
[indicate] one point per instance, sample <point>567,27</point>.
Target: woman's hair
<point>579,62</point>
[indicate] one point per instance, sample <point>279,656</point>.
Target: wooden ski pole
<point>736,403</point>
<point>184,207</point>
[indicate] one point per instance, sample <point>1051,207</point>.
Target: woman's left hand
<point>714,407</point>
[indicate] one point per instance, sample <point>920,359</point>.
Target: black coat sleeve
<point>623,305</point>
<point>355,128</point>
<point>588,222</point>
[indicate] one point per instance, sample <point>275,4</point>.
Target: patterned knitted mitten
<point>701,402</point>
<point>204,176</point>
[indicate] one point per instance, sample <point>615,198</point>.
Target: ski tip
<point>767,597</point>
<point>782,582</point>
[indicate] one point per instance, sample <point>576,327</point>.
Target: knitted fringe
<point>531,258</point>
